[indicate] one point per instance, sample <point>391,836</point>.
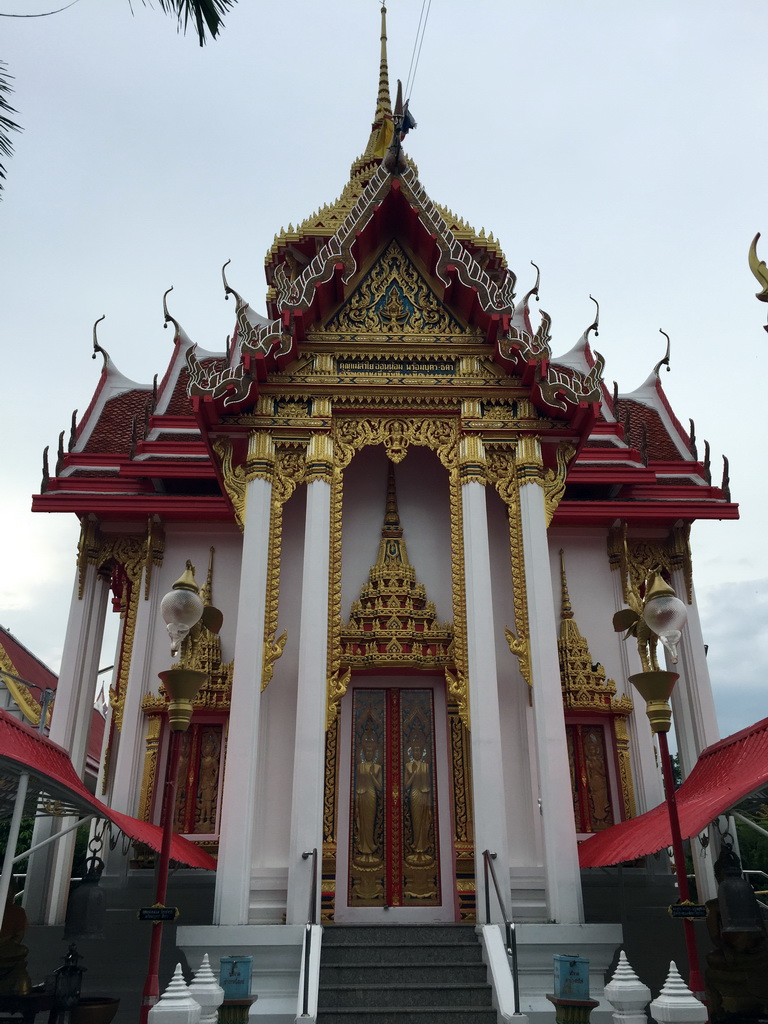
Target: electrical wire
<point>426,5</point>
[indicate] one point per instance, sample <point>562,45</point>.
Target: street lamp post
<point>662,617</point>
<point>181,609</point>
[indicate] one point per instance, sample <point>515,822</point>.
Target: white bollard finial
<point>676,1004</point>
<point>207,992</point>
<point>176,1005</point>
<point>627,994</point>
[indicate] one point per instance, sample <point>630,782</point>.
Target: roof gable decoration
<point>237,383</point>
<point>394,299</point>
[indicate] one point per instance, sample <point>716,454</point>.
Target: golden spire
<point>381,129</point>
<point>391,526</point>
<point>565,600</point>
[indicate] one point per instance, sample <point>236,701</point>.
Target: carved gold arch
<point>396,433</point>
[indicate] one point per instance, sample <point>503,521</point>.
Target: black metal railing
<point>509,927</point>
<point>311,920</point>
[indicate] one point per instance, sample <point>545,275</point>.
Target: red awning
<point>55,788</point>
<point>724,775</point>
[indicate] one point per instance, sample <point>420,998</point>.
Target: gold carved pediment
<point>393,302</point>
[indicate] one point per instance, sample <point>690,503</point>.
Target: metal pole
<point>151,992</point>
<point>13,838</point>
<point>695,980</point>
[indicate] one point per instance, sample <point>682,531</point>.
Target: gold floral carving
<point>87,551</point>
<point>351,434</point>
<point>289,471</point>
<point>150,767</point>
<point>331,780</point>
<point>28,705</point>
<point>155,551</point>
<point>234,478</point>
<point>634,559</point>
<point>554,479</point>
<point>392,301</point>
<point>130,553</point>
<point>472,466</point>
<point>337,678</point>
<point>456,681</point>
<point>502,471</point>
<point>625,769</point>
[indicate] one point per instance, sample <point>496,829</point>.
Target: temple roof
<point>144,449</point>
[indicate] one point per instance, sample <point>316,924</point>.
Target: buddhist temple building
<point>418,513</point>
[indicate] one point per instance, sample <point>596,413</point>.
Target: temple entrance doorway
<point>395,859</point>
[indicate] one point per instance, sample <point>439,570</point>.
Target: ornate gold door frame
<point>395,859</point>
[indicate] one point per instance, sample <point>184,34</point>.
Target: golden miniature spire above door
<point>392,623</point>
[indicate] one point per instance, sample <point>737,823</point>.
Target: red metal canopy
<point>55,788</point>
<point>724,774</point>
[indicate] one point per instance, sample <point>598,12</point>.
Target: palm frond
<point>7,124</point>
<point>207,15</point>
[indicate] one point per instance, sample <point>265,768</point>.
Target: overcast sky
<point>621,147</point>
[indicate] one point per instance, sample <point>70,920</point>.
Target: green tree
<point>207,16</point>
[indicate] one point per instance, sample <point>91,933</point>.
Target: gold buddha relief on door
<point>394,847</point>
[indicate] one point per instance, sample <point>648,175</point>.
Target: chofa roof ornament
<point>760,270</point>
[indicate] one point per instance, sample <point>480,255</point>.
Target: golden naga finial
<point>596,322</point>
<point>167,318</point>
<point>665,360</point>
<point>760,270</point>
<point>96,346</point>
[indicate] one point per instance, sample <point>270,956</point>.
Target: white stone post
<point>48,876</point>
<point>694,718</point>
<point>206,991</point>
<point>309,755</point>
<point>485,728</point>
<point>233,874</point>
<point>627,994</point>
<point>676,1004</point>
<point>561,862</point>
<point>128,758</point>
<point>176,1005</point>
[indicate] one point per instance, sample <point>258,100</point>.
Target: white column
<point>694,718</point>
<point>233,873</point>
<point>561,862</point>
<point>485,720</point>
<point>50,869</point>
<point>128,757</point>
<point>309,755</point>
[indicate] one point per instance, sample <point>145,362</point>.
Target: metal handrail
<point>509,926</point>
<point>311,920</point>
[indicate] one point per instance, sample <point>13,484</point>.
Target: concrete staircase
<point>427,974</point>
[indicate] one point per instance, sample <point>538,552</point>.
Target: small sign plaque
<point>158,913</point>
<point>688,911</point>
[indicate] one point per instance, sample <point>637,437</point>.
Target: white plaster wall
<point>278,704</point>
<point>592,587</point>
<point>423,501</point>
<point>520,785</point>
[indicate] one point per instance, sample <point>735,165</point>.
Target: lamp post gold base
<point>656,688</point>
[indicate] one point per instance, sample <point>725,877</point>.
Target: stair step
<point>376,935</point>
<point>415,1014</point>
<point>405,995</point>
<point>400,953</point>
<point>410,972</point>
<point>424,974</point>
